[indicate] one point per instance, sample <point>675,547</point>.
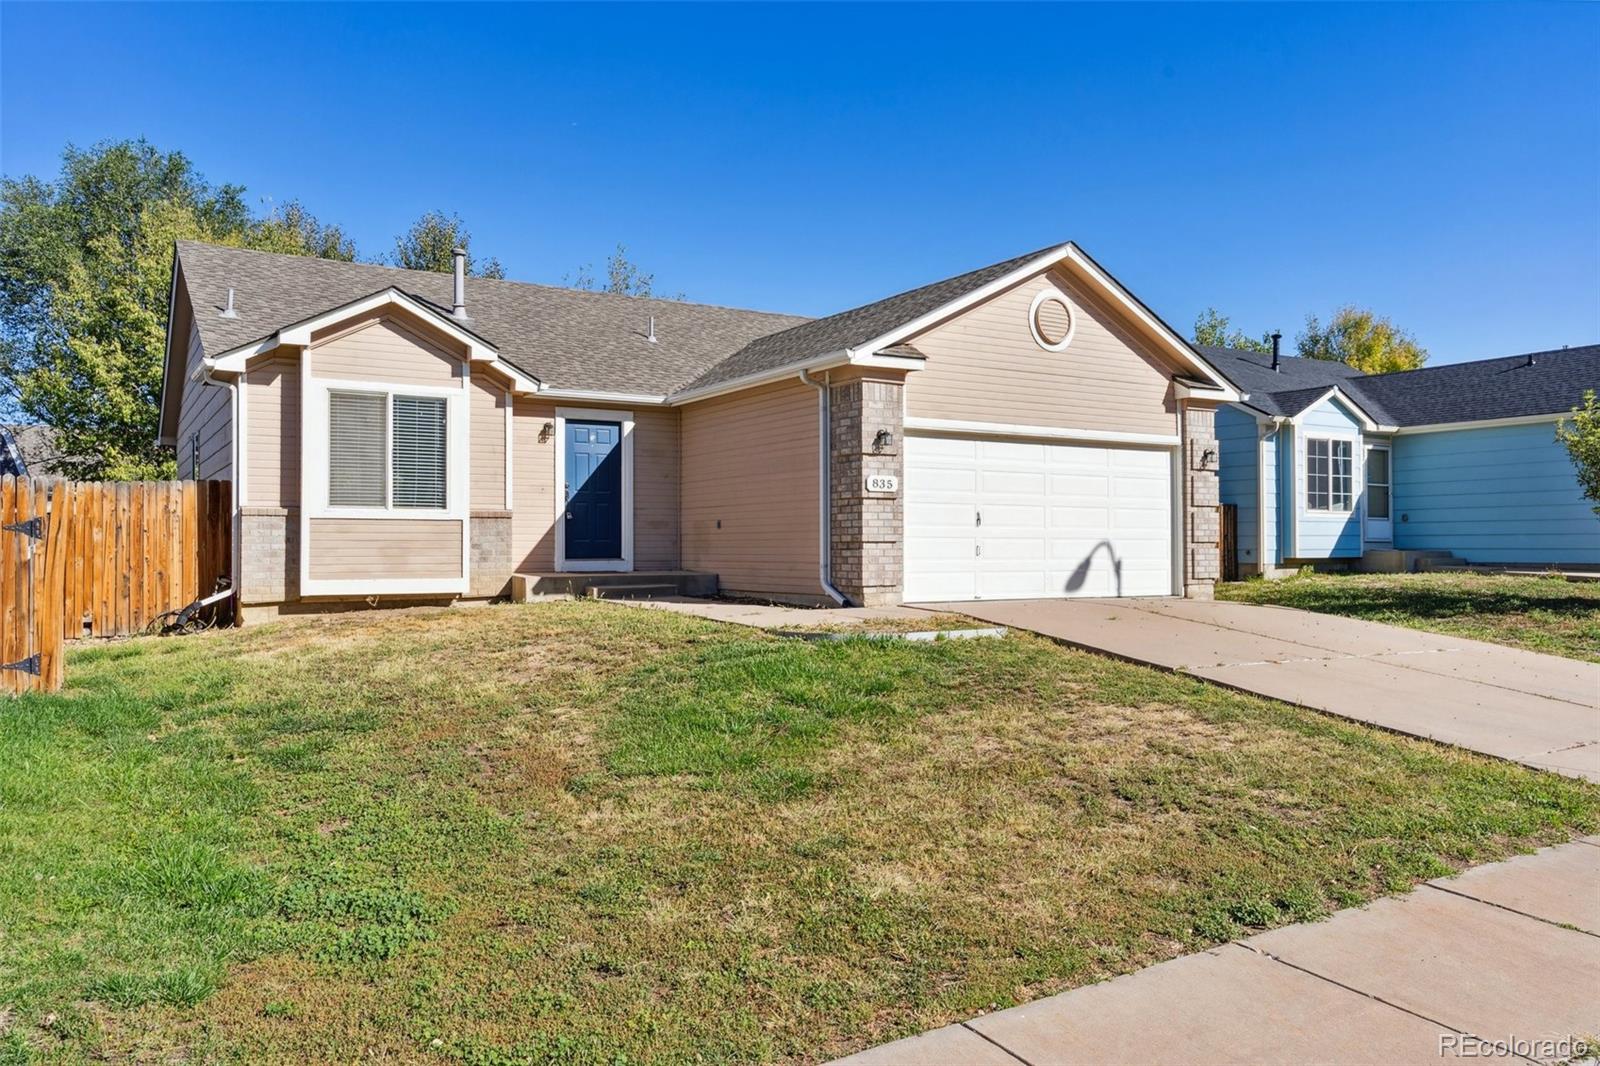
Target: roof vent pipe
<point>459,260</point>
<point>228,312</point>
<point>651,336</point>
<point>1531,360</point>
<point>1276,337</point>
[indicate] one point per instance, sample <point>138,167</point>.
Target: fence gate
<point>32,577</point>
<point>1230,542</point>
<point>102,559</point>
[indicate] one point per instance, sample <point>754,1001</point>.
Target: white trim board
<point>593,414</point>
<point>314,393</point>
<point>299,334</point>
<point>1010,429</point>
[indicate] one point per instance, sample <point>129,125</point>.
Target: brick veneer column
<point>490,553</point>
<point>867,527</point>
<point>1202,551</point>
<point>269,554</point>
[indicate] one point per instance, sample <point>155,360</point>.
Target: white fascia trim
<point>163,439</point>
<point>299,334</point>
<point>1367,422</point>
<point>594,396</point>
<point>1189,392</point>
<point>843,357</point>
<point>1061,253</point>
<point>1042,261</point>
<point>1009,429</point>
<point>1486,423</point>
<point>588,414</point>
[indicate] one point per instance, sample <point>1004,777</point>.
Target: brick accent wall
<point>490,554</point>
<point>1202,497</point>
<point>867,531</point>
<point>269,548</point>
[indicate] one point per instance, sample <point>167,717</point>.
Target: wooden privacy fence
<point>107,559</point>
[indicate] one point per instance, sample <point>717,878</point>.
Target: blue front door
<point>594,490</point>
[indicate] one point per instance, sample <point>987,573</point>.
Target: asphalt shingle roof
<point>567,338</point>
<point>854,327</point>
<point>564,337</point>
<point>1537,383</point>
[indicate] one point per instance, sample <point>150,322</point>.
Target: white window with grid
<point>1330,474</point>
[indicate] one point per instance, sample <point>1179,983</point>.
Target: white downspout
<point>825,505</point>
<point>1264,431</point>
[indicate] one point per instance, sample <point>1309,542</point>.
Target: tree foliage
<point>431,242</point>
<point>1214,329</point>
<point>623,277</point>
<point>1362,339</point>
<point>85,266</point>
<point>1581,435</point>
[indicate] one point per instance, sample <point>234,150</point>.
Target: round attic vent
<point>1051,321</point>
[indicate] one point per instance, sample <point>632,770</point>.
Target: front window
<point>386,451</point>
<point>1330,475</point>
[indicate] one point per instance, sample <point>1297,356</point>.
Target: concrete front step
<point>630,592</point>
<point>1402,561</point>
<point>528,587</point>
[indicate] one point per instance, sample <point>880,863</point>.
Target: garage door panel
<point>1058,520</point>
<point>1003,454</point>
<point>943,549</point>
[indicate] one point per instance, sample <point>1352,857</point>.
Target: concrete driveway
<point>1542,710</point>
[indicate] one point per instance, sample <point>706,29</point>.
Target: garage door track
<point>1541,710</point>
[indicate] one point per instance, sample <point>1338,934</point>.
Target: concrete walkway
<point>1507,953</point>
<point>1541,710</point>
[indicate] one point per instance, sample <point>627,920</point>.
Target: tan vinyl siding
<point>655,487</point>
<point>750,460</point>
<point>984,366</point>
<point>385,548</point>
<point>272,432</point>
<point>389,350</point>
<point>206,411</point>
<point>488,409</point>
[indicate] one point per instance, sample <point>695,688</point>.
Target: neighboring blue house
<point>1324,462</point>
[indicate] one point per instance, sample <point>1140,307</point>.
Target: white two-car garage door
<point>1006,519</point>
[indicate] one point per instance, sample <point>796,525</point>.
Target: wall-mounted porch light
<point>883,440</point>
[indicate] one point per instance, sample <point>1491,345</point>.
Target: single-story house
<point>1326,463</point>
<point>1026,429</point>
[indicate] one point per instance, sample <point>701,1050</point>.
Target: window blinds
<point>355,449</point>
<point>419,451</point>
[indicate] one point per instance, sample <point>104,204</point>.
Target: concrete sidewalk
<point>1541,710</point>
<point>1507,953</point>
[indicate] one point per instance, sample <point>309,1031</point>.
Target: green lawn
<point>1545,614</point>
<point>582,832</point>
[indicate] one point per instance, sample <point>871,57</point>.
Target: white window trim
<point>1387,448</point>
<point>1357,485</point>
<point>314,392</point>
<point>590,414</point>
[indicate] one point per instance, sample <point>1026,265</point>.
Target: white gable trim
<point>1104,283</point>
<point>299,334</point>
<point>1368,423</point>
<point>1482,423</point>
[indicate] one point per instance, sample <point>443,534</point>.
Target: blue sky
<point>1438,163</point>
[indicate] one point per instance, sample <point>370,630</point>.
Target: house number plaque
<point>882,483</point>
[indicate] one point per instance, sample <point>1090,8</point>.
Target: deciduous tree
<point>1213,328</point>
<point>431,242</point>
<point>1362,339</point>
<point>85,264</point>
<point>1581,435</point>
